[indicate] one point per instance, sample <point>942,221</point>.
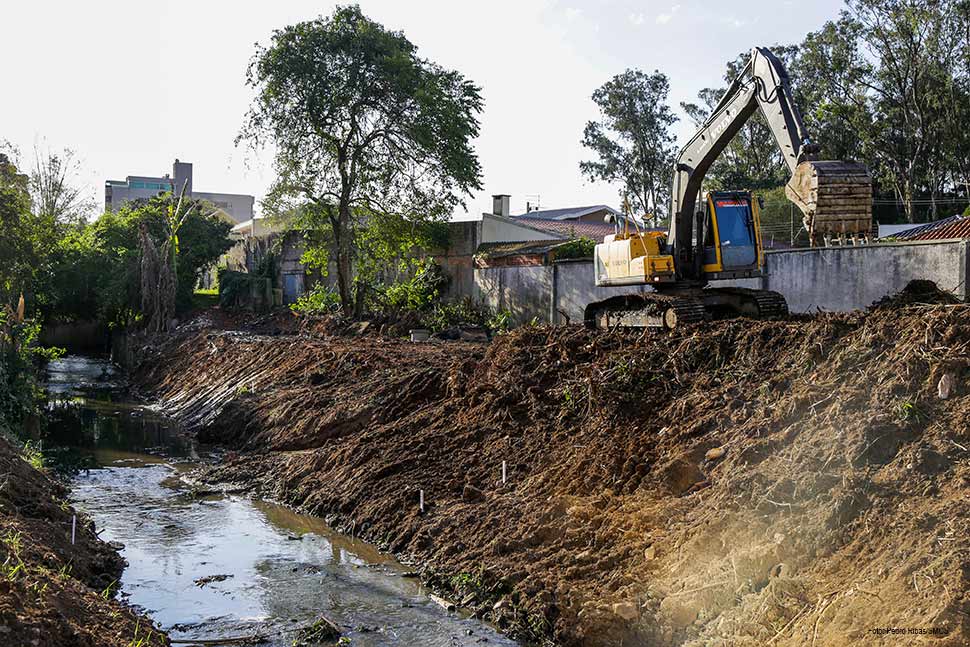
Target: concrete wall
<point>839,279</point>
<point>525,291</point>
<point>834,279</point>
<point>496,229</point>
<point>575,288</point>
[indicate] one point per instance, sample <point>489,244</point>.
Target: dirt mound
<point>53,592</point>
<point>731,483</point>
<point>918,292</point>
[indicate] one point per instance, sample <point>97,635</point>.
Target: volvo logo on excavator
<point>722,125</point>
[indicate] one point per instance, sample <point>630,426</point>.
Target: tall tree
<point>833,90</point>
<point>632,140</point>
<point>910,43</point>
<point>15,248</point>
<point>361,124</point>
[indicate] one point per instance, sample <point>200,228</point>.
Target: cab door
<point>731,237</point>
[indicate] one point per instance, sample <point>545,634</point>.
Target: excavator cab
<point>732,236</point>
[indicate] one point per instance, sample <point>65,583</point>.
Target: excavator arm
<point>764,85</point>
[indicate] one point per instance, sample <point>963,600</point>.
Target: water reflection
<point>282,569</point>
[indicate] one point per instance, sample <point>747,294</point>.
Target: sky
<point>130,86</point>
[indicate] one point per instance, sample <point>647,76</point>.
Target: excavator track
<point>668,311</point>
<point>770,304</point>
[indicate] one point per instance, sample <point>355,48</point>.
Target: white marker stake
<point>73,528</point>
<point>421,499</point>
<point>503,472</point>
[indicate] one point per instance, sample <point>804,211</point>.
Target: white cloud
<point>664,18</point>
<point>636,19</point>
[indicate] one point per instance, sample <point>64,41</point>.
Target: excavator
<point>717,236</point>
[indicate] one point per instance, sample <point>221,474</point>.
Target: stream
<point>223,567</point>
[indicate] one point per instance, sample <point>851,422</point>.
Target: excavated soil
<point>796,482</point>
<point>53,592</point>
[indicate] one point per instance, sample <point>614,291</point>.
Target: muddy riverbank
<point>730,483</point>
<point>54,591</point>
<point>218,568</point>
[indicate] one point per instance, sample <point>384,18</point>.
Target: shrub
<point>443,316</point>
<point>421,291</point>
<point>319,300</point>
<point>576,248</point>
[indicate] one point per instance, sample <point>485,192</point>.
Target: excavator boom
<point>835,197</point>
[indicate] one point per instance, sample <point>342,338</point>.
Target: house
<point>521,239</point>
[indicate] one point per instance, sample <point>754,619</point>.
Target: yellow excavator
<point>717,237</point>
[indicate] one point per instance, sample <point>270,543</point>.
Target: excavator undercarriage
<point>668,310</point>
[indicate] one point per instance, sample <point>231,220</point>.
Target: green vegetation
<point>418,296</point>
<point>576,248</point>
<point>20,394</point>
<point>368,137</point>
<point>69,269</point>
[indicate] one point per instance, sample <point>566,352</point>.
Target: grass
<point>109,591</point>
<point>12,567</point>
<point>33,456</point>
<point>205,298</point>
<point>908,411</point>
<point>144,641</point>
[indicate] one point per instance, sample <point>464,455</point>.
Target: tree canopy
<point>361,125</point>
<point>632,140</point>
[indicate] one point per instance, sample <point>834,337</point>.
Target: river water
<point>223,567</point>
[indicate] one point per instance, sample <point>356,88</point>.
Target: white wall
<point>833,279</point>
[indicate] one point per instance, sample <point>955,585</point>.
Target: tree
<point>632,140</point>
<point>361,125</point>
<point>97,269</point>
<point>15,248</point>
<point>55,189</point>
<point>752,160</point>
<point>833,92</point>
<point>911,44</point>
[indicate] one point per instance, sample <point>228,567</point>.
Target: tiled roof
<point>568,213</point>
<point>568,228</point>
<point>495,250</point>
<point>952,227</point>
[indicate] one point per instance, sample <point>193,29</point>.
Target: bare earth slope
<point>734,483</point>
<point>53,592</point>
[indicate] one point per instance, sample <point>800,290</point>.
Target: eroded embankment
<point>737,483</point>
<point>53,592</point>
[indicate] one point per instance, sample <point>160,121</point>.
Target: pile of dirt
<point>730,483</point>
<point>52,591</point>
